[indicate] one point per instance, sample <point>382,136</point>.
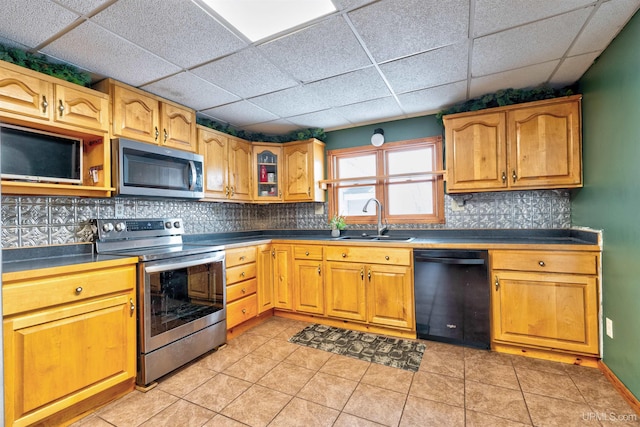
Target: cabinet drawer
<point>307,252</point>
<point>240,273</point>
<point>242,310</point>
<point>393,256</point>
<point>239,256</point>
<point>34,294</point>
<point>242,289</point>
<point>549,262</point>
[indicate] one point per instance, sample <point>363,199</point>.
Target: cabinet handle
<point>497,283</point>
<point>157,133</point>
<point>362,273</point>
<point>78,290</point>
<point>319,270</point>
<point>273,253</point>
<point>242,274</point>
<point>307,253</point>
<point>166,135</point>
<point>541,263</point>
<point>61,108</point>
<point>504,177</point>
<point>233,191</point>
<point>280,193</point>
<point>344,255</point>
<point>309,191</point>
<point>226,191</point>
<point>242,258</point>
<point>45,104</point>
<point>132,306</point>
<point>514,176</point>
<point>369,275</point>
<point>244,311</point>
<point>244,291</point>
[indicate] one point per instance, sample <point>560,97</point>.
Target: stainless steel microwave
<point>141,169</point>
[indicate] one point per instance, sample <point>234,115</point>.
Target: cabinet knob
<point>319,270</point>
<point>166,135</point>
<point>132,306</point>
<point>386,257</point>
<point>157,133</point>
<point>344,255</point>
<point>242,258</point>
<point>369,275</point>
<point>242,274</point>
<point>307,253</point>
<point>45,104</point>
<point>244,291</point>
<point>514,176</point>
<point>497,283</point>
<point>244,311</point>
<point>61,108</point>
<point>309,192</point>
<point>541,263</point>
<point>362,273</point>
<point>504,176</point>
<point>79,290</point>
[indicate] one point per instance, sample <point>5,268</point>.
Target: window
<point>397,174</point>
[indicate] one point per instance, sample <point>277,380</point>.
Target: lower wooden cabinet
<point>282,277</point>
<point>242,284</point>
<point>265,278</point>
<point>308,280</point>
<point>72,339</point>
<point>346,294</point>
<point>546,299</point>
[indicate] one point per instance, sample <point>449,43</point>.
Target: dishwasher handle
<point>445,260</point>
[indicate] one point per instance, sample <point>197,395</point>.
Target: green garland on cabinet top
<point>506,97</point>
<point>298,135</point>
<point>41,64</point>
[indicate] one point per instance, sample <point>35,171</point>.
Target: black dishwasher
<point>452,294</point>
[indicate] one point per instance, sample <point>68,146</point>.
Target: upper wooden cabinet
<point>26,94</point>
<point>535,145</point>
<point>142,116</point>
<point>303,168</point>
<point>267,161</point>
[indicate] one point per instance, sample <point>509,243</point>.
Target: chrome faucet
<point>381,228</point>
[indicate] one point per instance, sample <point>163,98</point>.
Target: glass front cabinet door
<point>267,159</point>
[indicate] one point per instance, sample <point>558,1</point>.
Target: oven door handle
<point>174,265</point>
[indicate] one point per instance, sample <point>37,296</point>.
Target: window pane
<point>410,198</point>
<point>410,161</point>
<point>351,200</point>
<point>357,166</point>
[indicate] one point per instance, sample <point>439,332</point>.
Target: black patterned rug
<point>388,351</point>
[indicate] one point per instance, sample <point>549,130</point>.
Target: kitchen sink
<point>377,238</point>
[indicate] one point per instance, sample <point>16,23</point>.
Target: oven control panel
<point>111,229</point>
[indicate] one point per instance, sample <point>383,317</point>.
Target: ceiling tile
<point>572,69</point>
<point>371,111</point>
<point>392,29</point>
<point>187,38</point>
<point>325,119</point>
<point>96,49</point>
<point>496,15</point>
<point>240,113</point>
<point>350,88</point>
<point>319,51</point>
<point>31,22</point>
<point>530,44</point>
<point>433,68</point>
<point>83,6</point>
<point>527,77</point>
<point>252,74</point>
<point>291,102</point>
<point>187,89</point>
<point>433,99</point>
<point>604,25</point>
<point>350,4</point>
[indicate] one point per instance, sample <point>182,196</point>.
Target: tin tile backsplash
<point>42,221</point>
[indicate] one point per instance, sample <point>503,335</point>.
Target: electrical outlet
<point>119,209</point>
<point>456,205</point>
<point>609,327</point>
<point>319,209</point>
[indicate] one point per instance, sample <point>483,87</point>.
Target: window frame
<point>381,184</point>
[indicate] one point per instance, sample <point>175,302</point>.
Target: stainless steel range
<point>181,291</point>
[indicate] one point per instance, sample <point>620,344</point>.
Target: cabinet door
<point>557,311</point>
<point>213,147</point>
<point>476,152</point>
<point>309,287</point>
<point>81,108</point>
<point>178,127</point>
<point>390,296</point>
<point>266,258</point>
<point>239,169</point>
<point>282,277</point>
<point>135,115</point>
<point>55,358</point>
<point>298,170</point>
<point>345,287</point>
<point>25,95</point>
<point>545,146</point>
<point>267,176</point>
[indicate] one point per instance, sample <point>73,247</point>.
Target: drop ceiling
<point>369,62</point>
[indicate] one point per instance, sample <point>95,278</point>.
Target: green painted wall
<point>610,199</point>
<point>399,130</point>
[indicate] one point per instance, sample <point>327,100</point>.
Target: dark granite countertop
<point>22,259</point>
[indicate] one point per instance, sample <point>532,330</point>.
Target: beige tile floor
<point>261,379</point>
